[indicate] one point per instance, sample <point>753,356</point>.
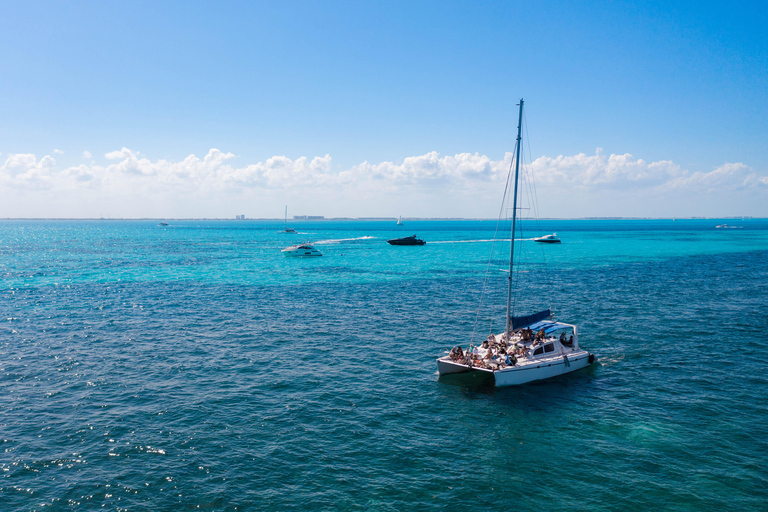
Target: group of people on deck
<point>490,355</point>
<point>493,354</point>
<point>526,335</point>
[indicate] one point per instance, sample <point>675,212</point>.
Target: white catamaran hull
<point>446,366</point>
<point>524,372</point>
<point>515,375</point>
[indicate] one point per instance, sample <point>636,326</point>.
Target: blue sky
<point>372,85</point>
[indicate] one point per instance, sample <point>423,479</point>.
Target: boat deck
<point>529,359</point>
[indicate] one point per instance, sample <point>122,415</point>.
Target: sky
<point>359,109</point>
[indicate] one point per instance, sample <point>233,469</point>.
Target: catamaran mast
<point>514,218</point>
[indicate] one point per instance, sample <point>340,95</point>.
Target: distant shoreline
<point>388,219</point>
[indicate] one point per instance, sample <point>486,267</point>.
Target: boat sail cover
<point>518,322</point>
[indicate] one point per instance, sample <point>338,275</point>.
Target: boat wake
<point>340,240</point>
<point>483,240</point>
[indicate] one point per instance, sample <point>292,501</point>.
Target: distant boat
<point>408,240</point>
<point>399,221</point>
<point>548,239</point>
<point>286,229</point>
<point>163,224</point>
<point>303,250</point>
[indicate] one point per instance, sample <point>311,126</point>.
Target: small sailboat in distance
<point>286,229</point>
<point>399,221</point>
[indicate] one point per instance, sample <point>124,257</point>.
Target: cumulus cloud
<point>58,152</point>
<point>25,171</point>
<point>728,176</point>
<point>602,171</point>
<point>431,177</point>
<point>87,155</point>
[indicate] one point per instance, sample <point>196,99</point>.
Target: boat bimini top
<point>550,327</point>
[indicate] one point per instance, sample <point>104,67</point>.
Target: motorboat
<point>532,347</point>
<point>548,239</point>
<point>408,240</point>
<point>163,224</point>
<point>303,250</point>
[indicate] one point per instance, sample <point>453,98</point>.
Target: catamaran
<point>532,347</point>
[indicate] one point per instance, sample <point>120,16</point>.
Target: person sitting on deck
<point>562,337</point>
<point>524,335</point>
<point>459,353</point>
<point>570,341</point>
<point>541,335</point>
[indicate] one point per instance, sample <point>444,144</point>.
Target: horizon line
<point>742,217</point>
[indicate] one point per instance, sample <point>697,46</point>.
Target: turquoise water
<point>193,367</point>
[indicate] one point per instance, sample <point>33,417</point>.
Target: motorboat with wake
<point>407,240</point>
<point>548,239</point>
<point>302,250</point>
<point>532,347</point>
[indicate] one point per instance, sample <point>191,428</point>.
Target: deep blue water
<point>193,367</point>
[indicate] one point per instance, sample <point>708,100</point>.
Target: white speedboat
<point>303,250</point>
<point>532,347</point>
<point>548,239</point>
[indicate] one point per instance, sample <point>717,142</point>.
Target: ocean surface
<point>193,367</point>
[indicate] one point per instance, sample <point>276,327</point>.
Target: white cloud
<point>728,176</point>
<point>58,152</point>
<point>87,155</point>
<point>601,171</point>
<point>25,171</point>
<point>117,155</point>
<point>464,184</point>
